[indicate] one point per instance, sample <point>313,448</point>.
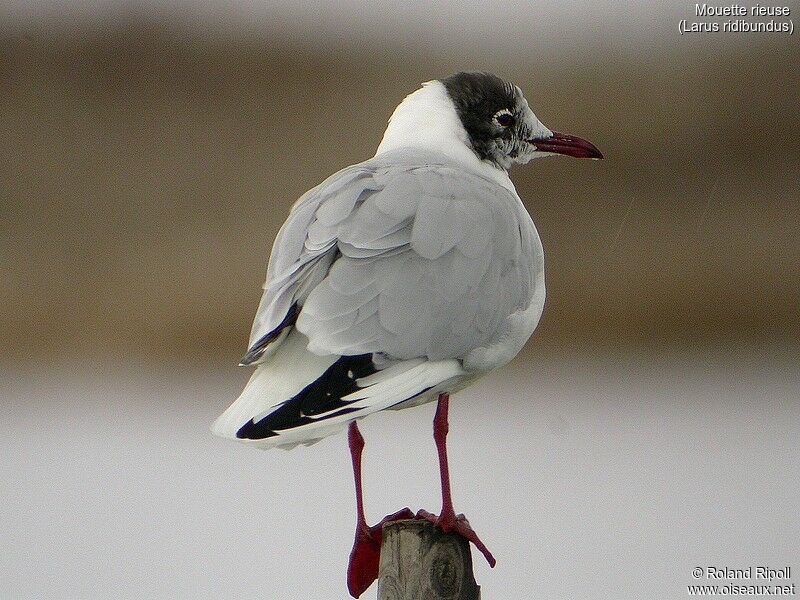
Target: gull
<point>401,280</point>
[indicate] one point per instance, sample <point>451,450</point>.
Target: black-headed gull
<point>401,280</point>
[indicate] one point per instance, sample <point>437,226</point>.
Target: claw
<point>458,524</point>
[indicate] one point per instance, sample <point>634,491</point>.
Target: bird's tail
<point>290,370</point>
<point>297,397</point>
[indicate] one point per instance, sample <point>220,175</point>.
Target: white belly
<point>515,332</point>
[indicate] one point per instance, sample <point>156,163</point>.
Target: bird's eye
<point>504,118</point>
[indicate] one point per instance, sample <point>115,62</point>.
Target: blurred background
<point>149,152</point>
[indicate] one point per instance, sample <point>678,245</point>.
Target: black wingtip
<point>258,349</point>
<point>256,352</point>
<point>324,395</point>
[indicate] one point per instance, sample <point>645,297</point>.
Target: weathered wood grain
<point>420,562</point>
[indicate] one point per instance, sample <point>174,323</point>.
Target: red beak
<point>561,143</point>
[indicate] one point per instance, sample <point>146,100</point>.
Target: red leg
<point>440,430</point>
<point>356,443</point>
<point>362,569</point>
<point>448,520</point>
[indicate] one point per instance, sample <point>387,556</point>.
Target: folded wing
<point>405,260</point>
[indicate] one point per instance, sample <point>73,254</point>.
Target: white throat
<point>427,120</point>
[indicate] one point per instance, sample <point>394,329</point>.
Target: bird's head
<point>502,127</point>
<point>486,114</point>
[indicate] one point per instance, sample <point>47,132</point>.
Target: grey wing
<point>302,254</point>
<point>430,262</point>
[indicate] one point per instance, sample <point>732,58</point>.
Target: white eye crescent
<point>504,118</point>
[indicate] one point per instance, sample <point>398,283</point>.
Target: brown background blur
<point>145,173</point>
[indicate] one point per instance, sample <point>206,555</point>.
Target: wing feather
<point>403,260</point>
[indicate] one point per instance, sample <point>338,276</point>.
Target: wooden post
<point>420,562</point>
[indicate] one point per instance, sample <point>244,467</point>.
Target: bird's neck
<point>427,120</point>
